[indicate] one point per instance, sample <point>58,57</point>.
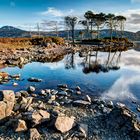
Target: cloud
<point>133,19</point>
<point>121,89</point>
<point>135,1</point>
<point>51,11</point>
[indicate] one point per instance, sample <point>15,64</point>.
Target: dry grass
<point>13,46</point>
<point>21,43</point>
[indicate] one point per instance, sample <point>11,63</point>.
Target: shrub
<point>58,40</point>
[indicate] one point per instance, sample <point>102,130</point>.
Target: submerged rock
<point>3,75</point>
<point>138,108</point>
<point>62,85</point>
<point>15,76</point>
<point>31,89</point>
<point>78,92</point>
<point>34,80</point>
<point>15,84</point>
<point>78,88</point>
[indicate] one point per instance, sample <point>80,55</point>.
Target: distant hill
<point>9,31</point>
<point>106,33</point>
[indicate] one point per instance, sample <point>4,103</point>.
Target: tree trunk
<point>73,35</point>
<point>97,32</point>
<point>111,34</point>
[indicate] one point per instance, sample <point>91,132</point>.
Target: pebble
<point>15,84</point>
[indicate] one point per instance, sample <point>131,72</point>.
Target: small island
<point>70,77</point>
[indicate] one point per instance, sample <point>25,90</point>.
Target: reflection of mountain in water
<point>91,63</point>
<point>137,45</point>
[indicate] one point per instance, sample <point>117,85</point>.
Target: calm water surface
<point>116,78</point>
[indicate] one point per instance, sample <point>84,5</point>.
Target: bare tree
<point>71,23</point>
<point>51,26</point>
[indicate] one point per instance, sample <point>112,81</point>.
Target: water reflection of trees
<point>69,63</point>
<point>94,65</point>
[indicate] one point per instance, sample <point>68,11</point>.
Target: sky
<point>26,14</point>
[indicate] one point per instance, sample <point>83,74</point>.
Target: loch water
<point>114,76</point>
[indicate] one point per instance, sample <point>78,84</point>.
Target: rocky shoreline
<point>37,54</point>
<point>51,52</point>
<point>64,114</point>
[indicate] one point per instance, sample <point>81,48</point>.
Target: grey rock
<point>81,102</point>
<point>34,79</point>
<point>62,85</point>
<point>84,129</point>
<point>63,93</point>
<point>31,89</point>
<point>78,88</point>
<point>54,92</point>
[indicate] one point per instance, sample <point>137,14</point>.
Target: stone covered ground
<point>64,114</point>
<point>61,113</point>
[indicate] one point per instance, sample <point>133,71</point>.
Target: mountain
<point>9,31</point>
<point>105,33</point>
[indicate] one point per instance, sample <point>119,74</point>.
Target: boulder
<point>88,98</point>
<point>8,95</point>
<point>54,92</point>
<point>63,93</point>
<point>26,102</point>
<point>38,116</point>
<point>15,84</point>
<point>20,126</point>
<point>110,104</point>
<point>4,75</point>
<point>78,92</point>
<point>83,128</point>
<point>32,79</point>
<point>7,103</point>
<point>81,102</point>
<point>62,85</point>
<point>2,110</point>
<point>31,89</point>
<point>16,76</point>
<point>124,120</point>
<point>24,93</point>
<point>52,97</point>
<point>34,134</point>
<point>18,95</point>
<point>78,88</point>
<point>21,60</point>
<point>42,93</point>
<point>64,123</point>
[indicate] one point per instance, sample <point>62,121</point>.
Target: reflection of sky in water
<point>121,84</point>
<point>127,86</point>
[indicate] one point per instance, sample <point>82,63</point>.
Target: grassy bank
<point>19,43</point>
